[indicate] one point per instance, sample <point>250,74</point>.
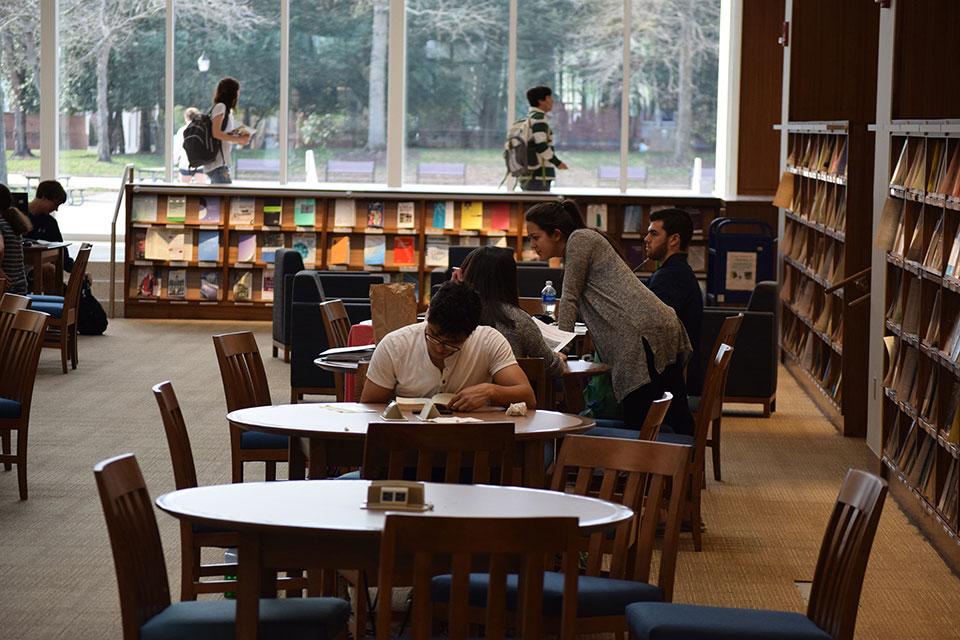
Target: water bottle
<point>548,299</point>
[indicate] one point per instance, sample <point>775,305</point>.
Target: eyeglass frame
<point>440,343</point>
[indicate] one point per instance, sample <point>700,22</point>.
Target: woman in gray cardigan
<point>635,333</point>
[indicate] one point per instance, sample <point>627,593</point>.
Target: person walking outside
<point>542,160</point>
<point>225,130</point>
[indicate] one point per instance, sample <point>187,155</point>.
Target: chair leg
<point>294,396</point>
<point>286,355</point>
<point>63,349</point>
<point>695,512</point>
<point>715,449</point>
<point>275,351</point>
<point>22,464</point>
<point>271,471</point>
<point>236,467</point>
<point>189,572</point>
<point>74,359</point>
<point>5,438</point>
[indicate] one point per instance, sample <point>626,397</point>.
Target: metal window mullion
<point>284,115</point>
<point>49,90</point>
<point>512,64</point>
<point>168,91</point>
<point>396,91</point>
<point>625,99</point>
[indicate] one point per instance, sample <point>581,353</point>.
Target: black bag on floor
<point>91,318</point>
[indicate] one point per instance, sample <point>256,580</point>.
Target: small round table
<point>335,432</point>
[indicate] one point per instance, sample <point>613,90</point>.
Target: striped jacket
<point>542,160</point>
<point>13,265</point>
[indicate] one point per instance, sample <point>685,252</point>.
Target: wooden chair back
<point>537,375</point>
<point>844,553</point>
<point>459,546</point>
<point>646,476</point>
<point>335,322</point>
<point>3,276</point>
<point>533,306</point>
<point>656,414</point>
<point>711,398</point>
<point>484,450</point>
<point>729,331</point>
<point>71,297</point>
<point>181,455</point>
<point>20,355</point>
<point>241,370</point>
<point>9,305</point>
<point>359,379</point>
<point>135,541</point>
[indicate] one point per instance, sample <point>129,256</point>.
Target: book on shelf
<point>838,163</point>
<point>597,216</point>
<point>176,208</point>
<point>947,506</point>
<point>247,247</point>
<point>633,218</point>
<point>934,254</point>
<point>951,424</point>
<point>783,198</point>
<point>406,217</point>
<point>241,285</point>
<point>266,291</point>
<point>208,245</point>
<point>404,253</point>
<point>375,215</point>
<point>208,210</point>
<point>210,285</point>
<point>443,214</point>
<point>938,164</point>
<point>905,377</point>
<point>242,211</point>
<point>437,251</point>
<point>946,186</point>
<point>499,216</point>
<point>908,450</point>
<point>915,248</point>
<point>823,320</point>
<point>914,179</point>
<point>143,208</point>
<point>374,250</point>
<point>953,338</point>
<point>177,283</point>
<point>139,244</point>
<point>697,256</point>
<point>929,405</point>
<point>952,269</point>
<point>339,252</point>
<point>272,212</point>
<point>902,168</point>
<point>344,213</point>
<point>911,310</point>
<point>471,215</point>
<point>272,240</point>
<point>305,212</point>
<point>932,335</point>
<point>148,283</point>
<point>162,243</point>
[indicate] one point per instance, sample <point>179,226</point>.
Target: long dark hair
<point>227,91</point>
<point>565,216</point>
<point>493,273</point>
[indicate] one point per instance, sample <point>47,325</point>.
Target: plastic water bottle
<point>548,299</point>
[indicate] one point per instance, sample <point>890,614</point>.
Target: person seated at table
<point>449,353</point>
<point>13,224</point>
<point>49,196</point>
<point>492,271</point>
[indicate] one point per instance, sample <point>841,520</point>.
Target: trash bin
<point>740,253</point>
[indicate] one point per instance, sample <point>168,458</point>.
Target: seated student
<point>492,271</point>
<point>675,283</point>
<point>48,198</point>
<point>13,224</point>
<point>449,353</point>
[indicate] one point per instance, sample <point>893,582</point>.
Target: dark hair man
<point>674,282</point>
<point>449,353</point>
<point>46,201</point>
<point>542,160</point>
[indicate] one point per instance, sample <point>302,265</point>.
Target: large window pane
<point>20,93</point>
<point>673,93</point>
<point>337,98</point>
<point>241,39</point>
<point>576,49</point>
<point>456,91</point>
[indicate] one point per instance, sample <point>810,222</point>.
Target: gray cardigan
<point>619,312</point>
<point>525,339</point>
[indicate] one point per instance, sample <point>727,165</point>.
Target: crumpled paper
<point>517,409</point>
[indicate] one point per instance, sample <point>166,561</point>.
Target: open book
<point>349,354</point>
<point>555,338</point>
<point>416,404</point>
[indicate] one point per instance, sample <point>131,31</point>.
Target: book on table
<point>417,404</point>
<point>349,354</point>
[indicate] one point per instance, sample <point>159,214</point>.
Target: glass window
<point>20,95</point>
<point>338,100</point>
<point>456,110</point>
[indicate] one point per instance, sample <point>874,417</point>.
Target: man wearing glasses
<point>449,353</point>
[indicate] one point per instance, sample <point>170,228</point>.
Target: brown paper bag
<point>392,306</point>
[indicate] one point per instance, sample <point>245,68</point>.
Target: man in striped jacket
<point>542,162</point>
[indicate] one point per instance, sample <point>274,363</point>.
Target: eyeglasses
<point>452,348</point>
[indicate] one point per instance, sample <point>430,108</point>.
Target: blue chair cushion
<point>350,475</point>
<point>612,432</point>
<point>694,403</point>
<point>596,596</point>
<point>662,621</point>
<point>676,438</point>
<point>257,440</point>
<point>37,297</point>
<point>609,423</point>
<point>55,309</point>
<point>9,408</point>
<point>214,619</point>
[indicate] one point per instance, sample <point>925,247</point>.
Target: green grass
<point>78,162</point>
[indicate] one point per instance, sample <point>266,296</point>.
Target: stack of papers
<point>553,336</point>
<point>349,354</point>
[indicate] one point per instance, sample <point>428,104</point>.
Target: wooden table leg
<point>534,475</point>
<point>318,459</point>
<point>249,576</point>
<point>297,467</point>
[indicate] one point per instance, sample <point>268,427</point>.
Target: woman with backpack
<point>224,130</point>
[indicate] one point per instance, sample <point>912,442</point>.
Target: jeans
<point>220,175</point>
<point>536,184</point>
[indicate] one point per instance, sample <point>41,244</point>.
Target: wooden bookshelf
<point>920,232</point>
<point>824,195</point>
<point>182,264</point>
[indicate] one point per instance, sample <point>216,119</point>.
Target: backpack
<point>198,141</point>
<point>91,318</point>
<point>516,150</point>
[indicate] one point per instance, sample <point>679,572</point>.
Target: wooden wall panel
<point>761,92</point>
<point>926,55</point>
<point>833,60</point>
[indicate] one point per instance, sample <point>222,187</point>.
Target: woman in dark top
<point>635,333</point>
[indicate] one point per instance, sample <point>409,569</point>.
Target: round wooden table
<point>322,525</point>
<point>335,431</point>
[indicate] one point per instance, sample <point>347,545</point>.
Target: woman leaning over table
<point>635,333</point>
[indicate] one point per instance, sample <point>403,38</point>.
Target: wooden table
<point>335,432</point>
<point>36,255</point>
<point>321,524</point>
<point>575,374</point>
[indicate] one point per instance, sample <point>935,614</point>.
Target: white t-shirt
<point>223,158</point>
<point>401,362</point>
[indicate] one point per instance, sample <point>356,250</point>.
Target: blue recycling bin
<point>740,253</point>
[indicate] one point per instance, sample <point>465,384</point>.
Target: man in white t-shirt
<point>449,353</point>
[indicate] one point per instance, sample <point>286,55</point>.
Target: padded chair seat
<point>675,438</point>
<point>694,403</point>
<point>38,297</point>
<point>613,432</point>
<point>55,309</point>
<point>9,408</point>
<point>596,596</point>
<point>662,621</point>
<point>214,619</point>
<point>257,440</point>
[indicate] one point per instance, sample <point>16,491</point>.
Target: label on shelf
<point>373,230</point>
<point>271,228</point>
<point>243,304</point>
<point>211,227</point>
<point>147,300</point>
<point>469,233</point>
<point>433,231</point>
<point>406,269</point>
<point>142,263</point>
<point>493,232</point>
<point>175,226</point>
<point>210,303</point>
<point>179,263</point>
<point>243,265</point>
<point>337,267</point>
<point>139,225</point>
<point>179,302</point>
<point>406,232</point>
<point>373,267</point>
<point>305,229</point>
<point>207,264</point>
<point>243,227</point>
<point>343,230</point>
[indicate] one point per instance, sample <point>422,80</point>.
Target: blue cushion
<point>36,297</point>
<point>257,440</point>
<point>350,475</point>
<point>214,619</point>
<point>9,408</point>
<point>55,309</point>
<point>611,432</point>
<point>596,596</point>
<point>662,621</point>
<point>609,422</point>
<point>676,438</point>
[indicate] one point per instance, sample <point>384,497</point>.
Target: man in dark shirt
<point>48,198</point>
<point>675,283</point>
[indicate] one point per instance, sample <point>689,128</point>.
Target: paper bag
<point>392,306</point>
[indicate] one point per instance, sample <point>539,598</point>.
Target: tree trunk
<point>145,143</point>
<point>103,109</point>
<point>117,138</point>
<point>16,78</point>
<point>684,94</point>
<point>377,129</point>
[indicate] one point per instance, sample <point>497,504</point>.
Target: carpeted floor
<point>764,521</point>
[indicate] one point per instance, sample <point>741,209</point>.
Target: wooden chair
<point>533,306</point>
<point>835,596</point>
<point>145,607</point>
<point>649,430</point>
<point>245,385</point>
<point>536,374</point>
<point>62,326</point>
<point>336,324</point>
<point>728,335</point>
<point>19,356</point>
<point>502,544</point>
<point>359,379</point>
<point>3,276</point>
<point>10,304</point>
